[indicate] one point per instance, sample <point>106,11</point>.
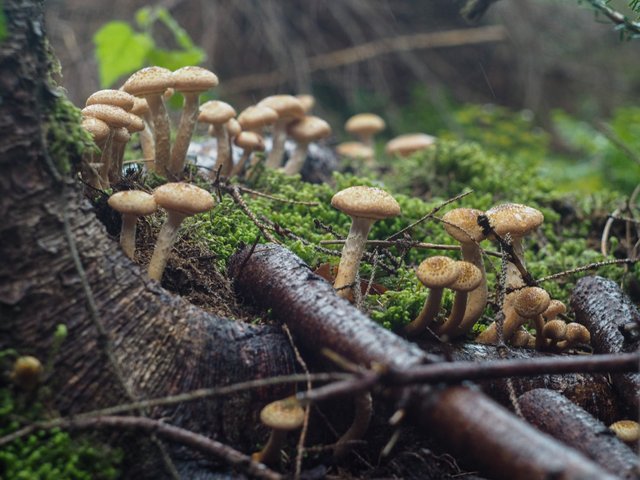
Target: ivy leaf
<point>120,51</point>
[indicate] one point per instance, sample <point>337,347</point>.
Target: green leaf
<point>120,51</point>
<point>3,22</point>
<point>174,59</point>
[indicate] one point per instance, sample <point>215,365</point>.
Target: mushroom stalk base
<point>188,121</point>
<point>274,160</point>
<point>223,158</point>
<point>460,303</point>
<point>295,163</point>
<point>427,315</point>
<point>476,298</point>
<point>270,454</point>
<point>128,235</point>
<point>161,131</point>
<point>351,255</point>
<point>166,238</point>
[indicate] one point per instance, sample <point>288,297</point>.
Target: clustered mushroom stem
<point>538,324</point>
<point>427,315</point>
<point>270,453</point>
<point>224,151</point>
<point>477,298</point>
<point>456,315</point>
<point>188,121</point>
<point>514,277</point>
<point>161,129</point>
<point>105,159</point>
<point>351,254</point>
<point>148,147</point>
<point>128,235</point>
<point>363,409</point>
<point>166,239</point>
<point>277,148</point>
<point>295,163</point>
<point>239,167</point>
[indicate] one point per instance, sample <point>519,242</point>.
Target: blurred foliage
<point>121,49</point>
<point>3,22</point>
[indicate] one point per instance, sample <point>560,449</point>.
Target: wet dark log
<point>554,414</point>
<point>614,323</point>
<point>467,422</point>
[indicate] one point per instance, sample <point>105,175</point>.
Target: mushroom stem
<point>514,277</point>
<point>270,453</point>
<point>223,158</point>
<point>105,159</point>
<point>148,146</point>
<point>239,167</point>
<point>128,234</point>
<point>477,298</point>
<point>457,313</point>
<point>427,315</point>
<point>295,163</point>
<point>363,409</point>
<point>274,160</point>
<point>188,121</point>
<point>161,129</point>
<point>166,239</point>
<point>351,255</point>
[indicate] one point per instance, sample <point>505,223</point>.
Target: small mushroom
<point>627,430</point>
<point>555,308</point>
<point>363,409</point>
<point>249,142</point>
<point>435,273</point>
<point>555,331</point>
<point>256,117</point>
<point>27,372</point>
<point>364,126</point>
<point>288,109</point>
<point>468,280</point>
<point>281,416</point>
<point>521,338</point>
<point>131,204</point>
<point>408,144</point>
<point>151,83</point>
<point>576,335</point>
<point>529,303</point>
<point>217,114</point>
<point>118,98</point>
<point>356,151</point>
<point>180,200</point>
<point>364,205</point>
<point>304,131</point>
<point>191,81</point>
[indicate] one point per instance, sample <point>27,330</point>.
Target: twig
<point>616,17</point>
<point>629,261</point>
<point>277,199</point>
<point>406,244</point>
<point>234,191</point>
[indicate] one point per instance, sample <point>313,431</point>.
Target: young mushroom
<point>627,430</point>
<point>249,142</point>
<point>555,331</point>
<point>408,144</point>
<point>217,114</point>
<point>304,131</point>
<point>281,416</point>
<point>364,126</point>
<point>364,205</point>
<point>576,335</point>
<point>27,372</point>
<point>356,151</point>
<point>468,280</point>
<point>529,303</point>
<point>191,81</point>
<point>435,273</point>
<point>288,108</point>
<point>131,204</point>
<point>180,200</point>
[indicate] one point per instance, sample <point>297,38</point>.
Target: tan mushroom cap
<point>514,218</point>
<point>355,150</point>
<point>118,98</point>
<point>257,116</point>
<point>113,116</point>
<point>407,144</point>
<point>521,338</point>
<point>469,277</point>
<point>136,125</point>
<point>309,129</point>
<point>121,135</point>
<point>462,225</point>
<point>286,106</point>
<point>577,333</point>
<point>96,127</point>
<point>555,330</point>
<point>133,202</point>
<point>438,271</point>
<point>307,100</point>
<point>555,308</point>
<point>216,112</point>
<point>626,430</point>
<point>148,81</point>
<point>249,141</point>
<point>365,124</point>
<point>140,107</point>
<point>184,198</point>
<point>366,202</point>
<point>233,127</point>
<point>193,79</point>
<point>531,301</point>
<point>284,414</point>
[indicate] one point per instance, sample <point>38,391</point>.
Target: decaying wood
<point>467,422</point>
<point>614,324</point>
<point>554,414</point>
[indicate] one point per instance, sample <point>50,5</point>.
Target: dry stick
<point>235,194</point>
<point>404,243</point>
<point>606,232</point>
<point>276,199</point>
<point>159,428</point>
<point>590,266</point>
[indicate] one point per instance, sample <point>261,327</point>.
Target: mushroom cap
<point>407,144</point>
<point>216,112</point>
<point>286,106</point>
<point>355,150</point>
<point>308,129</point>
<point>286,414</point>
<point>148,81</point>
<point>307,100</point>
<point>118,98</point>
<point>193,79</point>
<point>257,116</point>
<point>27,372</point>
<point>514,218</point>
<point>183,198</point>
<point>626,430</point>
<point>366,202</point>
<point>577,333</point>
<point>96,127</point>
<point>136,125</point>
<point>555,308</point>
<point>133,202</point>
<point>140,106</point>
<point>113,116</point>
<point>462,225</point>
<point>364,124</point>
<point>469,277</point>
<point>520,338</point>
<point>530,301</point>
<point>233,127</point>
<point>121,135</point>
<point>555,330</point>
<point>249,141</point>
<point>438,271</point>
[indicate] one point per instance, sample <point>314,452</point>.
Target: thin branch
<point>618,19</point>
<point>628,261</point>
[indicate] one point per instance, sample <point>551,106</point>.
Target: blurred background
<point>531,78</point>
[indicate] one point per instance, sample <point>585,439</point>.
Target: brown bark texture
<point>466,421</point>
<point>162,344</point>
<point>614,324</point>
<point>553,413</point>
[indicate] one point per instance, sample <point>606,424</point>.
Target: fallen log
<point>552,413</point>
<point>467,422</point>
<point>614,323</point>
